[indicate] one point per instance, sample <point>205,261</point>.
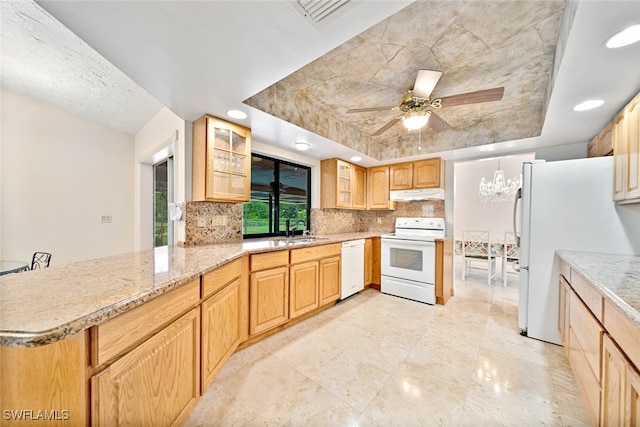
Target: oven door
<point>409,259</point>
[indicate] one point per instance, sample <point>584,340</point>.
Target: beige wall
<point>59,175</point>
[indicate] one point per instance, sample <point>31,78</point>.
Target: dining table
<point>10,266</point>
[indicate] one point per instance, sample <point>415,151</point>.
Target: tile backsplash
<point>210,222</point>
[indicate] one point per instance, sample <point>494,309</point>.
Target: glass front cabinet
<point>221,161</point>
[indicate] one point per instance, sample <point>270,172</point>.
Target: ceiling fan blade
<point>437,123</point>
<point>487,95</point>
<point>426,80</point>
<point>386,127</point>
<point>364,110</point>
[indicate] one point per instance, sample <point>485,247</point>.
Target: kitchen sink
<point>298,240</point>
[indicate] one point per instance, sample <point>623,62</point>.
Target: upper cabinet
<point>421,174</point>
<point>342,185</point>
<point>602,143</point>
<point>221,161</point>
<point>626,153</point>
<point>378,188</point>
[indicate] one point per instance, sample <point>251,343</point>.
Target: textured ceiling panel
<point>476,44</point>
<point>45,61</point>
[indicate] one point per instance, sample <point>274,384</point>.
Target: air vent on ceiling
<point>319,12</point>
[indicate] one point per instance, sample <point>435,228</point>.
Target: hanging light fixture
<point>415,119</point>
<point>498,190</point>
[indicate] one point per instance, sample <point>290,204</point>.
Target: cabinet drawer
<point>314,252</point>
<point>625,333</point>
<point>588,332</point>
<point>218,278</point>
<point>590,296</point>
<point>124,331</point>
<point>269,260</point>
<point>587,382</point>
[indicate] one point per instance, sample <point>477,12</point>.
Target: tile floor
<point>379,360</point>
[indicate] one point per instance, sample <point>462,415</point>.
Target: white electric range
<point>409,258</point>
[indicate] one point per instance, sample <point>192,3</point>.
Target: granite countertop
<point>44,306</point>
<point>616,277</point>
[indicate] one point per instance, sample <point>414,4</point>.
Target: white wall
<point>469,211</point>
<point>60,174</point>
<point>153,144</point>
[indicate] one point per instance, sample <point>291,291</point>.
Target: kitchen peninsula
<point>155,326</point>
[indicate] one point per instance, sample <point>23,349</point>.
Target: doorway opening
<point>162,196</point>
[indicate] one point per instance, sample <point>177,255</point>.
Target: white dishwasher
<point>352,268</point>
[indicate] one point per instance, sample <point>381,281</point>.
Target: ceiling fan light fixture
<point>625,37</point>
<point>413,120</point>
<point>302,145</point>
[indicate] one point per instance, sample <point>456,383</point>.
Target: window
<point>280,192</point>
<point>162,196</point>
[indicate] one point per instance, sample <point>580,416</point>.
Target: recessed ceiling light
<point>356,158</point>
<point>588,105</point>
<point>301,145</point>
<point>625,37</point>
<point>237,114</point>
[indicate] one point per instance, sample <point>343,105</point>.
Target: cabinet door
<point>592,147</point>
<point>378,188</point>
<point>612,410</point>
<point>632,398</point>
<point>605,141</point>
<point>329,279</point>
<point>156,384</point>
<point>221,161</point>
<point>619,157</point>
<point>269,299</point>
<point>345,185</point>
<point>303,296</point>
<point>427,173</point>
<point>359,187</point>
<point>632,117</point>
<point>401,176</point>
<point>220,329</point>
<point>563,313</point>
<point>368,262</point>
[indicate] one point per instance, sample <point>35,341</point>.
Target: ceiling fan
<point>417,105</point>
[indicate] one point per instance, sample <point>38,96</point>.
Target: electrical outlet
<point>105,219</point>
<point>202,221</point>
<point>379,220</point>
<point>220,220</point>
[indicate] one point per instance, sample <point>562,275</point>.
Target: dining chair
<point>510,253</point>
<point>476,246</point>
<point>40,260</point>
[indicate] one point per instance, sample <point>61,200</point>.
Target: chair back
<point>40,260</point>
<point>511,248</point>
<point>476,243</point>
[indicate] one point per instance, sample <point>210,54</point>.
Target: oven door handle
<point>403,242</point>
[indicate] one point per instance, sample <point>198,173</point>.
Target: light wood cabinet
<point>428,173</point>
<point>368,262</point>
<point>620,387</point>
<point>626,153</point>
<point>563,312</point>
<point>378,188</point>
<point>444,270</point>
<point>315,278</point>
<point>304,288</point>
<point>602,143</point>
<point>342,184</point>
<point>269,291</point>
<point>401,176</point>
<point>329,279</point>
<point>225,316</point>
<point>156,384</point>
<point>221,168</point>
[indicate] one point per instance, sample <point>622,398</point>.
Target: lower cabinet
<point>156,384</point>
<point>304,288</point>
<point>269,291</point>
<point>620,388</point>
<point>329,280</point>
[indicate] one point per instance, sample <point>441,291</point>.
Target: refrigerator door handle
<point>515,212</point>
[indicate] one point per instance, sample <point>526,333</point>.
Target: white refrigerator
<point>565,205</point>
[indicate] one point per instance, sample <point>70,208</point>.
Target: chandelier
<point>499,190</point>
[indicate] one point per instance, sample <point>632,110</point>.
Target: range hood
<point>421,194</point>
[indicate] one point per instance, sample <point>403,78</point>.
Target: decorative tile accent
<point>211,222</point>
